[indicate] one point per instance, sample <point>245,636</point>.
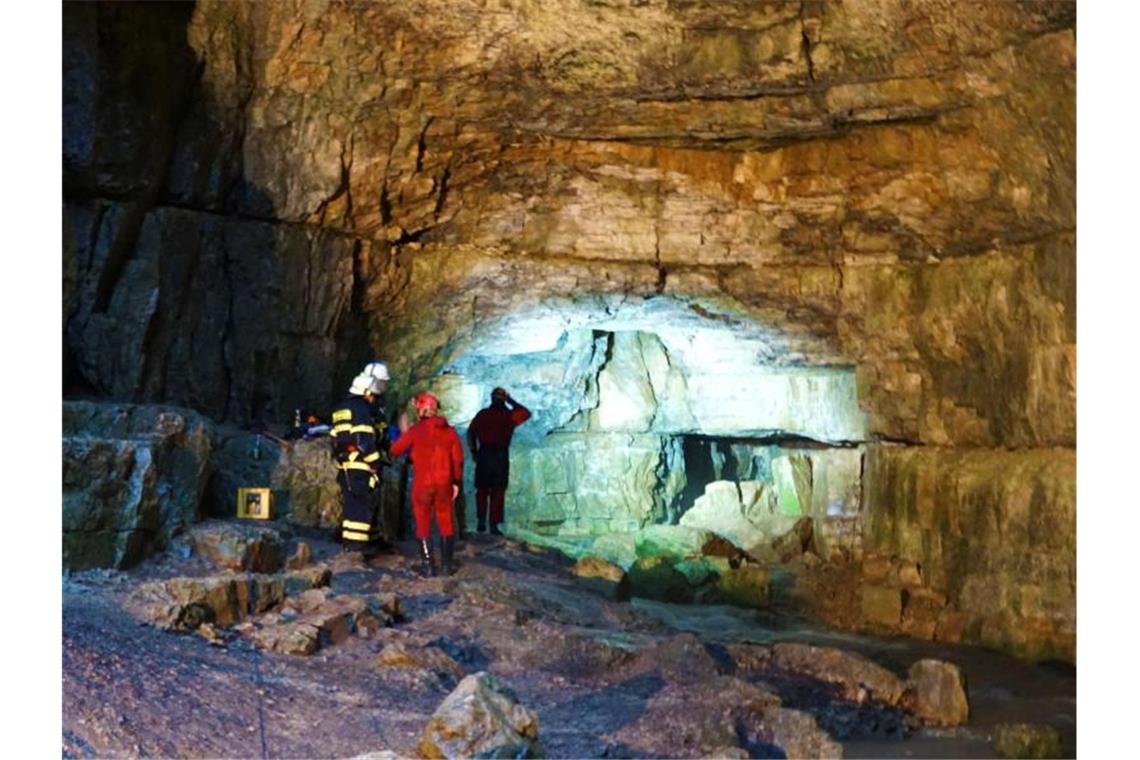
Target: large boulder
<point>936,693</point>
<point>764,519</point>
<point>133,477</point>
<point>722,716</point>
<point>182,604</point>
<point>480,718</point>
<point>722,511</point>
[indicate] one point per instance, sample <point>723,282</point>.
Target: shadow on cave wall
<point>181,284</point>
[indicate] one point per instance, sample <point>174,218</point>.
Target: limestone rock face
<point>993,530</point>
<point>133,477</point>
<point>844,222</point>
<point>481,717</point>
<point>587,485</point>
<point>841,176</point>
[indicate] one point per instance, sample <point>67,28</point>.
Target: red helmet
<point>426,401</point>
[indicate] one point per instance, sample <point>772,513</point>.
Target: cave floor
<point>568,653</point>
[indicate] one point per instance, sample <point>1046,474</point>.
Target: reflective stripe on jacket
<point>355,442</point>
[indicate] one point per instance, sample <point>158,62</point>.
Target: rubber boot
<point>426,556</point>
<point>449,563</point>
<point>495,530</point>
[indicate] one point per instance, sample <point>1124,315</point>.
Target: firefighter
<point>359,451</point>
<point>437,459</point>
<point>489,438</point>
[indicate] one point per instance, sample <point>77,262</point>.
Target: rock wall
<point>996,531</point>
<point>260,196</point>
<point>888,186</point>
<point>133,477</point>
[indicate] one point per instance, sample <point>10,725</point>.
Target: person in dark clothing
<point>437,462</point>
<point>359,450</point>
<point>489,438</point>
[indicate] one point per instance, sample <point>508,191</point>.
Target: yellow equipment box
<point>254,503</point>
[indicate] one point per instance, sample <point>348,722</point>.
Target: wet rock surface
<point>1027,740</point>
<point>363,664</point>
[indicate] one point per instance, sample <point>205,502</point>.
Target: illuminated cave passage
<point>749,264</point>
<point>640,405</point>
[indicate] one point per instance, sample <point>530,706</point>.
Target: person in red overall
<point>489,438</point>
<point>437,457</point>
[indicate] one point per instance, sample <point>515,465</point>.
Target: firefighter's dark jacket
<point>359,440</point>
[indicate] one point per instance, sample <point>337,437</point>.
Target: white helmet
<point>361,384</point>
<point>376,370</point>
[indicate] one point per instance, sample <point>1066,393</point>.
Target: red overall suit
<point>438,460</point>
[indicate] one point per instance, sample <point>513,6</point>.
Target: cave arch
<point>644,407</point>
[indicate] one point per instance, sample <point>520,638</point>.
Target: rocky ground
<point>249,654</point>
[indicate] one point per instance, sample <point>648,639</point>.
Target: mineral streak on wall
<point>869,203</point>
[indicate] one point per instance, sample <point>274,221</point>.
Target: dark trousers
<point>492,498</point>
<point>359,526</point>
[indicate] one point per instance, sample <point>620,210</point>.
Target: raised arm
<point>519,413</point>
<point>401,445</point>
